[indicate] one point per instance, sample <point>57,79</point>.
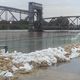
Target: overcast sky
<point>50,7</point>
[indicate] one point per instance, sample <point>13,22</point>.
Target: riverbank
<point>15,63</point>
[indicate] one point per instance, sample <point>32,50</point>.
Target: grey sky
<point>50,7</point>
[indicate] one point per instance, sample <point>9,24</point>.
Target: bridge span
<point>34,15</point>
<point>14,10</point>
<point>74,20</point>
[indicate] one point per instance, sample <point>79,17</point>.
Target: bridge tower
<point>35,16</point>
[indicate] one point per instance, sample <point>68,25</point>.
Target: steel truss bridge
<point>75,20</point>
<point>9,11</point>
<point>35,11</point>
<point>9,14</point>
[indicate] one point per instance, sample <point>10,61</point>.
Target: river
<point>65,71</point>
<point>24,41</point>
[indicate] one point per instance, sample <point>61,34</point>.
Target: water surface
<point>24,41</point>
<point>65,71</point>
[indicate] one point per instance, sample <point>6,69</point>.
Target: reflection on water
<point>34,41</point>
<point>25,41</point>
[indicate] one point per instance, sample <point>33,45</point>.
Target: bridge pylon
<point>35,17</point>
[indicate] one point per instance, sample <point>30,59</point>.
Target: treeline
<point>60,23</point>
<point>5,25</point>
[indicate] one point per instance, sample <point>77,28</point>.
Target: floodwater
<point>65,71</point>
<point>24,41</point>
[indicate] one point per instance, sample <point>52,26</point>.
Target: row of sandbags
<point>14,62</point>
